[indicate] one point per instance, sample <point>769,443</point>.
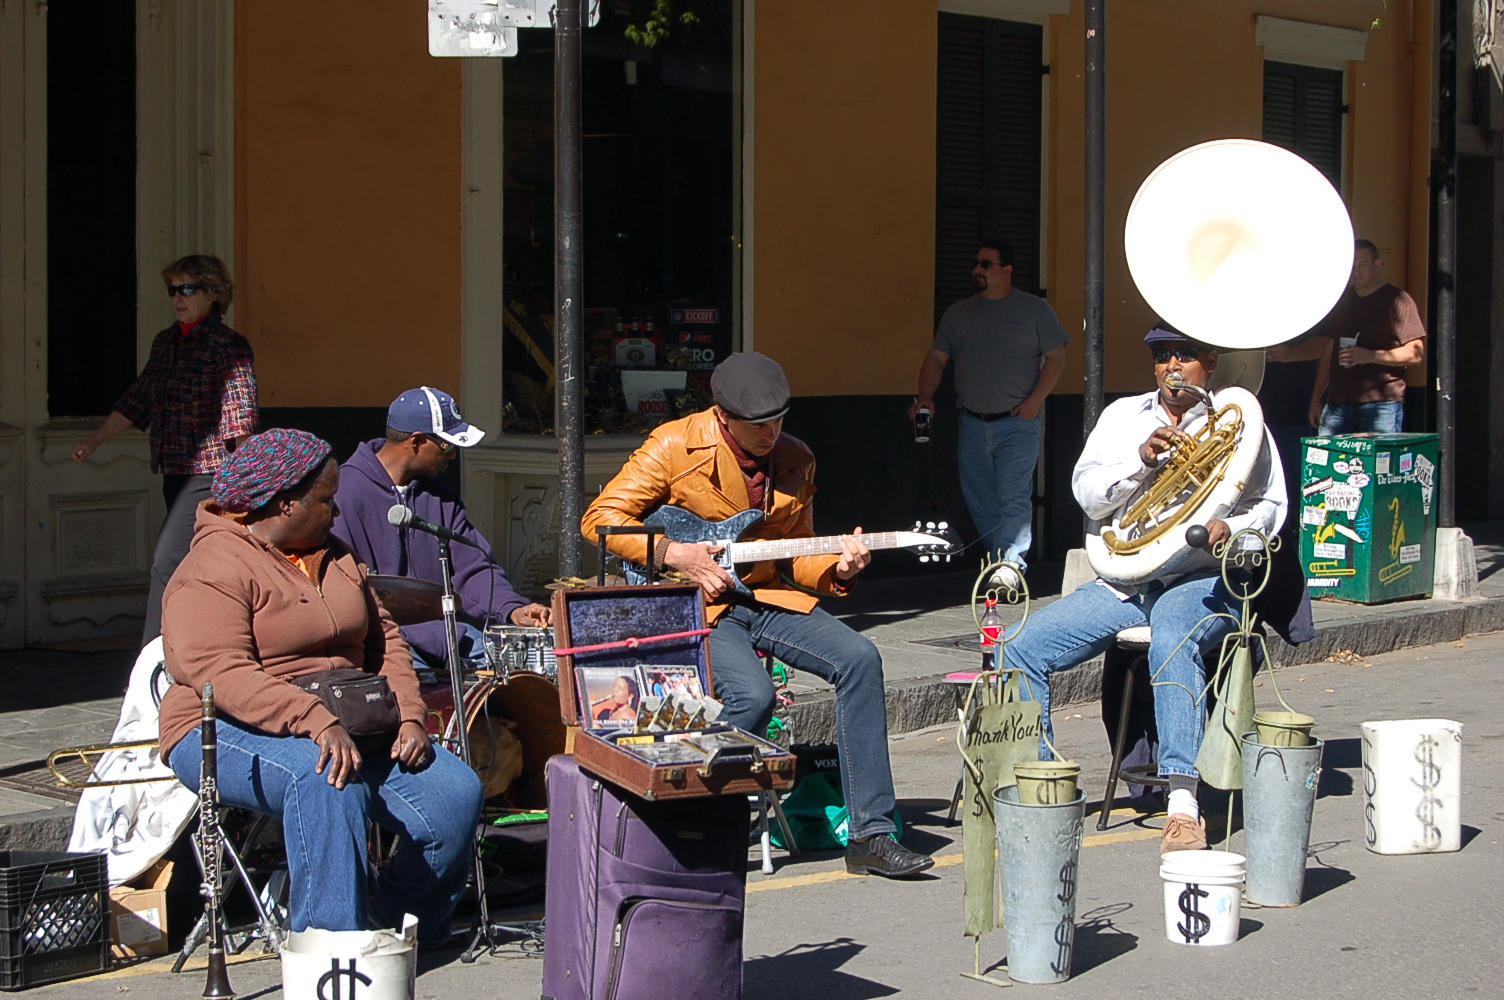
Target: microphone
<point>403,517</point>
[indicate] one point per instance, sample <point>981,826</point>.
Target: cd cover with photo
<point>609,696</point>
<point>661,681</point>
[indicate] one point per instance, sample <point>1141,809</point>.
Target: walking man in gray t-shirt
<point>1009,349</point>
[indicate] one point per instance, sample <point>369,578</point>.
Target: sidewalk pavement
<point>922,624</point>
<point>1400,928</point>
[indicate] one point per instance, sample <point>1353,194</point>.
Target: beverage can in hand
<point>922,426</point>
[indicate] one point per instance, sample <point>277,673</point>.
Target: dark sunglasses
<point>1186,355</point>
<point>444,446</point>
<point>986,265</point>
<point>173,291</point>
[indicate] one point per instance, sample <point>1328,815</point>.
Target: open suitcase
<point>644,899</point>
<point>665,625</point>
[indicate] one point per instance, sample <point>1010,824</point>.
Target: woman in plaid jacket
<point>197,396</point>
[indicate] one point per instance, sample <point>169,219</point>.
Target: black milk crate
<point>54,917</point>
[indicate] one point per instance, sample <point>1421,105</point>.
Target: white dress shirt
<point>1110,476</point>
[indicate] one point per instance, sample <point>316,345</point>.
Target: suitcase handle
<point>718,756</point>
<point>603,530</point>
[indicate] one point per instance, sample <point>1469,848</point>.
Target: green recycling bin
<point>1367,516</point>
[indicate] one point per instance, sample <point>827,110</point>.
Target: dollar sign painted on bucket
<point>1065,931</point>
<point>1196,923</point>
<point>328,987</point>
<point>1430,777</point>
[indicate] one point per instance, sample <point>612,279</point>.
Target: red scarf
<point>754,469</point>
<point>184,329</point>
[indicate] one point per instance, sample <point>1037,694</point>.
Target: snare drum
<point>514,649</point>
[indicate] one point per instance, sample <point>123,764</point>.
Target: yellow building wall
<point>348,193</point>
<point>843,165</point>
<point>1180,72</point>
<point>844,197</point>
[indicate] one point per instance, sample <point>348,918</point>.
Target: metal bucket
<point>1279,796</point>
<point>1039,847</point>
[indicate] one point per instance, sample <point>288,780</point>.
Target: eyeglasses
<point>173,291</point>
<point>444,446</point>
<point>987,265</point>
<point>1186,355</point>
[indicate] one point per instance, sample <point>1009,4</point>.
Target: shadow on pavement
<point>1323,879</point>
<point>40,678</point>
<point>1099,940</point>
<point>1338,756</point>
<point>816,970</point>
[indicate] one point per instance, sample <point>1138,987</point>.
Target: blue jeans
<point>997,459</point>
<point>469,641</point>
<point>1085,622</point>
<point>434,812</point>
<point>823,646</point>
<point>1362,418</point>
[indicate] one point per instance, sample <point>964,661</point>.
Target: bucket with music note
<point>1203,896</point>
<point>344,965</point>
<point>1412,786</point>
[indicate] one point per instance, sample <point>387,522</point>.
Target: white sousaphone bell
<point>1242,245</point>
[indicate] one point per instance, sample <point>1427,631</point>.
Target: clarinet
<point>217,985</point>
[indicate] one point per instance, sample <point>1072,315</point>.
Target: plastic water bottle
<point>992,630</point>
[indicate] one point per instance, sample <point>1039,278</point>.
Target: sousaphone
<point>1241,245</point>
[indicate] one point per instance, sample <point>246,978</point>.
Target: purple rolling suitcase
<point>644,898</point>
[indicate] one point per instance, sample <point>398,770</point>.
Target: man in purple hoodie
<point>423,428</point>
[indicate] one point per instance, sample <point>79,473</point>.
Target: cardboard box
<point>138,914</point>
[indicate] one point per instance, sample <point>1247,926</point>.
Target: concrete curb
<point>931,701</point>
<point>43,830</point>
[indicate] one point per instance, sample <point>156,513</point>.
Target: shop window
<point>1303,112</point>
<point>661,214</point>
<point>91,206</point>
<point>987,149</point>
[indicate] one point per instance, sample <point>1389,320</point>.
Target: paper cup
<point>1346,342</point>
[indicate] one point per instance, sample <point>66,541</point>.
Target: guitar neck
<point>751,552</point>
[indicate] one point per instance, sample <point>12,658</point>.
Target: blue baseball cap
<point>432,411</point>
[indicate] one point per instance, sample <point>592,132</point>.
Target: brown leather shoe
<point>1183,834</point>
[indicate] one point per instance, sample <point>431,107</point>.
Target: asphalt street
<point>1398,927</point>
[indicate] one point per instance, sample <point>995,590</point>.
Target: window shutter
<point>1303,113</point>
<point>987,149</point>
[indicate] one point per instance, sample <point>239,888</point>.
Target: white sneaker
<point>1006,578</point>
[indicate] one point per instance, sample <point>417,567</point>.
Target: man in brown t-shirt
<point>1376,333</point>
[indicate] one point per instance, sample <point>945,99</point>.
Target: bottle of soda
<point>992,630</point>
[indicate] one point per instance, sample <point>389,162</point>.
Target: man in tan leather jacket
<point>718,463</point>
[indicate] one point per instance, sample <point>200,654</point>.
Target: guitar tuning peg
<point>943,526</point>
<point>917,525</point>
<point>924,559</point>
<point>930,525</point>
<point>947,558</point>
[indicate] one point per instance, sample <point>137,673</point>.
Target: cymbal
<point>409,601</point>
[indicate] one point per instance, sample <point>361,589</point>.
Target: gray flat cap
<point>751,387</point>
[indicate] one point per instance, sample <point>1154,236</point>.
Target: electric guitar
<point>932,541</point>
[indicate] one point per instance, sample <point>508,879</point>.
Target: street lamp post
<point>569,284</point>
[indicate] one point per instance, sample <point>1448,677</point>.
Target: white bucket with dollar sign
<point>351,965</point>
<point>1412,786</point>
<point>1203,896</point>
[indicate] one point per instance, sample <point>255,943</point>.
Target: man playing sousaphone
<point>1126,451</point>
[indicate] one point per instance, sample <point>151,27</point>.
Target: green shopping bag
<point>817,815</point>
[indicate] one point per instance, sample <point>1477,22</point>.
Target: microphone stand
<point>482,929</point>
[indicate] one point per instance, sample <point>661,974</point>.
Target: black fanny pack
<point>363,703</point>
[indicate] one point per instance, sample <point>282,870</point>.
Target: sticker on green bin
<point>1366,528</point>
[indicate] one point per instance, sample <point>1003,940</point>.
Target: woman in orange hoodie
<point>265,596</point>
